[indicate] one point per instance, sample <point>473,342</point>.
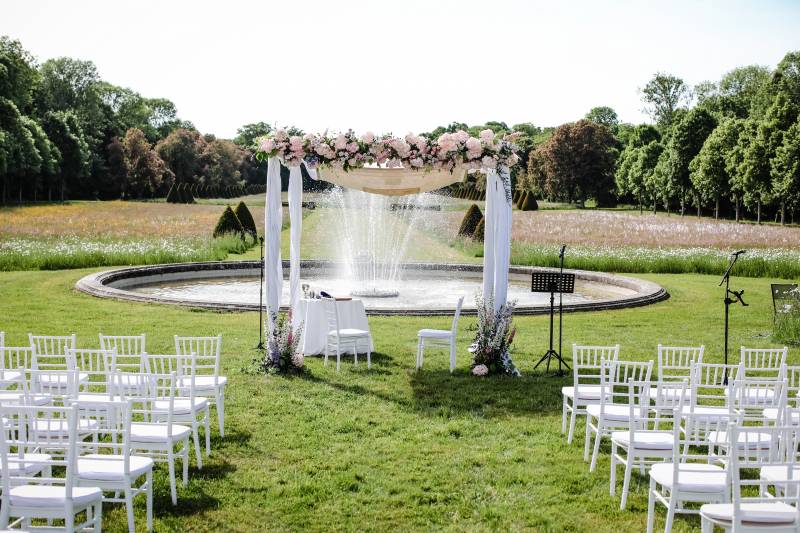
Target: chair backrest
<point>14,357</point>
<point>665,396</point>
<point>454,327</point>
<point>751,396</point>
<point>207,352</point>
<point>792,389</point>
<point>60,386</point>
<point>587,363</point>
<point>22,431</point>
<point>764,362</point>
<point>712,382</point>
<point>331,313</point>
<point>183,366</point>
<point>615,377</point>
<point>758,447</point>
<point>109,435</point>
<point>129,352</point>
<point>152,399</point>
<point>52,345</point>
<point>675,362</point>
<point>95,363</point>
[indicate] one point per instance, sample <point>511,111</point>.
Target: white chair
<point>12,359</point>
<point>711,384</point>
<point>690,476</point>
<point>157,435</point>
<point>764,363</point>
<point>340,338</point>
<point>129,361</point>
<point>52,345</point>
<point>613,412</point>
<point>49,498</point>
<point>96,365</point>
<point>440,337</point>
<point>675,363</point>
<point>110,465</point>
<point>791,391</point>
<point>586,381</point>
<point>759,510</point>
<point>643,444</point>
<point>188,407</point>
<point>207,380</point>
<point>57,354</point>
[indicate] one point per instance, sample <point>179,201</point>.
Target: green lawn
<point>390,448</point>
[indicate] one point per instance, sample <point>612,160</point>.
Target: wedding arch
<point>391,166</point>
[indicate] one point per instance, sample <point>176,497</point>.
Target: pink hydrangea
<point>267,145</point>
<point>461,136</point>
<point>368,137</point>
<point>488,162</point>
<point>340,143</point>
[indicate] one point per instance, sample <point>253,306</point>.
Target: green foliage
<point>785,170</point>
<point>603,115</point>
<point>480,229</point>
<point>470,220</point>
<point>228,224</point>
<point>247,134</point>
<point>663,95</point>
<point>711,174</point>
<point>787,327</point>
<point>246,218</point>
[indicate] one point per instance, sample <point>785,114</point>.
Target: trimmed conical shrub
<point>188,197</point>
<point>521,199</point>
<point>172,195</point>
<point>246,218</point>
<point>228,223</point>
<point>470,221</point>
<point>477,235</point>
<point>515,197</point>
<point>530,203</point>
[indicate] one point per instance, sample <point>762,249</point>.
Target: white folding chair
<point>759,510</point>
<point>110,464</point>
<point>440,337</point>
<point>52,498</point>
<point>613,412</point>
<point>585,389</point>
<point>643,443</point>
<point>764,363</point>
<point>154,432</point>
<point>340,338</point>
<point>207,380</point>
<point>691,476</point>
<point>188,407</point>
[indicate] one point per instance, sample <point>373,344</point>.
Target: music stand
<point>552,282</point>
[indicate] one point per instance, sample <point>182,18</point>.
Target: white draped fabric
<point>295,233</point>
<point>497,237</point>
<point>273,218</point>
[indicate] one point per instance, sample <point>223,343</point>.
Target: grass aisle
<point>390,448</point>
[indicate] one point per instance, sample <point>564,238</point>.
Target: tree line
<point>66,133</point>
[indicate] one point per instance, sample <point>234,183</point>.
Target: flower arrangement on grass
<point>491,350</point>
<point>283,353</point>
<point>347,150</point>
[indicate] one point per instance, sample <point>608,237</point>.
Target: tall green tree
<point>187,154</point>
<point>64,131</point>
<point>709,171</point>
<point>145,169</point>
<point>18,74</point>
<point>785,170</point>
<point>663,95</point>
<point>604,115</point>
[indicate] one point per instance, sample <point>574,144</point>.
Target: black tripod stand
<point>552,282</point>
<point>260,345</point>
<point>731,297</point>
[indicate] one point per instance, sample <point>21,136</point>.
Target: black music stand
<point>552,282</point>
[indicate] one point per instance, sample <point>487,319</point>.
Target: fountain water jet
<point>375,234</point>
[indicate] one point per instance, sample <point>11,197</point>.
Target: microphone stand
<point>560,306</point>
<point>260,345</point>
<point>731,297</point>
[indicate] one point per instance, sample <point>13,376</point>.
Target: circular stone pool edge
<point>99,285</point>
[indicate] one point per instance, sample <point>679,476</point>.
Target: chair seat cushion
<point>667,393</point>
<point>12,397</point>
<point>53,496</point>
<point>128,380</point>
<point>435,333</point>
<point>771,413</point>
<point>645,440</point>
<point>8,377</point>
<point>59,426</point>
<point>779,473</point>
<point>585,392</point>
<point>59,380</point>
<point>761,440</point>
<point>757,396</point>
<point>99,398</point>
<point>349,332</point>
<point>611,411</point>
<point>16,468</point>
<point>142,432</point>
<point>181,406</point>
<point>706,412</point>
<point>111,467</point>
<point>201,382</point>
<point>752,513</point>
<point>692,477</point>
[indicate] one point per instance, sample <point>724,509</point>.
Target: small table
<point>315,330</point>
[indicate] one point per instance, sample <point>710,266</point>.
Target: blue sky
<point>402,66</point>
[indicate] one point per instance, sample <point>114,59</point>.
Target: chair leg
<point>706,526</point>
<point>673,500</point>
<point>149,496</point>
<point>572,420</point>
<point>69,521</point>
<point>98,518</point>
<point>626,483</point>
<point>563,414</point>
<point>185,461</point>
<point>419,347</point>
<point>338,358</point>
<point>452,356</point>
<point>326,353</point>
<point>651,505</point>
<point>587,441</point>
<point>613,477</point>
<point>369,353</point>
<point>221,411</point>
<point>208,430</point>
<point>129,509</point>
<point>171,465</point>
<point>196,438</point>
<point>598,436</point>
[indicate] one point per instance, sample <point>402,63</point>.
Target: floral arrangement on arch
<point>491,350</point>
<point>283,353</point>
<point>347,150</point>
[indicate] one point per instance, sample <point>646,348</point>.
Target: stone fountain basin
<point>186,284</point>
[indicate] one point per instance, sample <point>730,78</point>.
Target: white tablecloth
<point>315,335</point>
